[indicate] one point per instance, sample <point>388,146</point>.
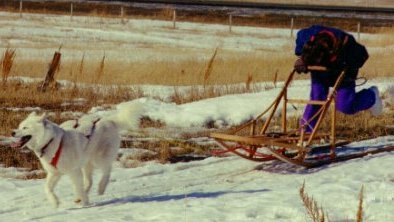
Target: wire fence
<point>221,15</point>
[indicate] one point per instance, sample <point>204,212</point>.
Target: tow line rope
<point>365,80</point>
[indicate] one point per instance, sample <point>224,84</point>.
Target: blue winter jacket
<point>350,54</point>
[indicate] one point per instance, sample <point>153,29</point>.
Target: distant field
<point>366,3</point>
<point>140,51</point>
<point>214,15</point>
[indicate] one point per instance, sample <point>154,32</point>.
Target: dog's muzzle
<point>22,141</point>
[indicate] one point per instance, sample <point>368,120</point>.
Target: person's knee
<point>346,107</point>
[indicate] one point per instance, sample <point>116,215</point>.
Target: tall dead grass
<point>380,46</point>
<point>209,67</point>
<point>179,72</point>
<point>229,68</point>
<point>248,82</point>
<point>7,62</point>
<point>316,212</point>
<point>360,209</point>
<point>100,70</point>
<point>19,95</point>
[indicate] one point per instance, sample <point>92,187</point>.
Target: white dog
<point>65,150</point>
<point>104,140</point>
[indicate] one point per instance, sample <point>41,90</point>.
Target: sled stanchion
<point>284,112</point>
<point>253,128</point>
<point>333,127</point>
<point>301,141</point>
<point>325,107</point>
<point>277,100</point>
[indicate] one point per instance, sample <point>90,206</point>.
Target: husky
<point>59,151</point>
<point>104,140</point>
<point>64,150</point>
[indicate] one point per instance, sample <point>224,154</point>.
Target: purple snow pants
<point>347,100</point>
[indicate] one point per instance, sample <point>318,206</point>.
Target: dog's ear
<point>43,117</point>
<point>33,114</point>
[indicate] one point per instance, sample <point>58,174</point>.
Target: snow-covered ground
<point>215,189</point>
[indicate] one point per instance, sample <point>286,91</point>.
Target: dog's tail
<point>127,116</point>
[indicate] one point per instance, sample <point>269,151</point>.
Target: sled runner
<point>256,141</point>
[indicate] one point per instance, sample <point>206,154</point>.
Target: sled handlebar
<point>317,68</point>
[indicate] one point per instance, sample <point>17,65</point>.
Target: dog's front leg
<point>77,179</point>
<point>52,179</point>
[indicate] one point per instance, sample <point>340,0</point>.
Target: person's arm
<point>302,37</point>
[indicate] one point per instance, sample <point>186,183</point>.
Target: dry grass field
<point>366,3</point>
<point>102,50</point>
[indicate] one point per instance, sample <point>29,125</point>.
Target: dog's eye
<point>24,128</point>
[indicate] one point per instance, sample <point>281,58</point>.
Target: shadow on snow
<point>163,198</point>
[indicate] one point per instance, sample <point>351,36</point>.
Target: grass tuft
<point>209,68</point>
<point>100,70</point>
<point>315,212</point>
<point>7,62</point>
<point>248,82</point>
<point>360,210</point>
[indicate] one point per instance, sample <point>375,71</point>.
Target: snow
<point>198,191</point>
<point>230,109</point>
<point>213,189</point>
<point>139,39</point>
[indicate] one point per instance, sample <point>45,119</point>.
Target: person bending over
<point>337,51</point>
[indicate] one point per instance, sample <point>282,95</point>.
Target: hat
<point>319,50</point>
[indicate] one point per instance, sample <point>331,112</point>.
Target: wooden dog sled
<point>255,141</point>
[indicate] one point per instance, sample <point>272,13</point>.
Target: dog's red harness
<point>55,159</point>
<point>76,125</point>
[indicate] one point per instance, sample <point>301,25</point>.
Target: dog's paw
<point>82,203</point>
<point>53,199</point>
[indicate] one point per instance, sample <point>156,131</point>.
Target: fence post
<point>230,22</point>
<point>292,28</point>
<point>20,8</point>
<point>71,11</point>
<point>358,30</point>
<point>122,14</point>
<point>54,66</point>
<point>174,19</point>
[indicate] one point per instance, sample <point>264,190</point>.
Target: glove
<point>300,66</point>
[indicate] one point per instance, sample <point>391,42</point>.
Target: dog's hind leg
<point>51,181</point>
<point>87,177</point>
<point>104,179</point>
<point>80,194</point>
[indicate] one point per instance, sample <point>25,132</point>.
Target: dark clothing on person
<point>337,51</point>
